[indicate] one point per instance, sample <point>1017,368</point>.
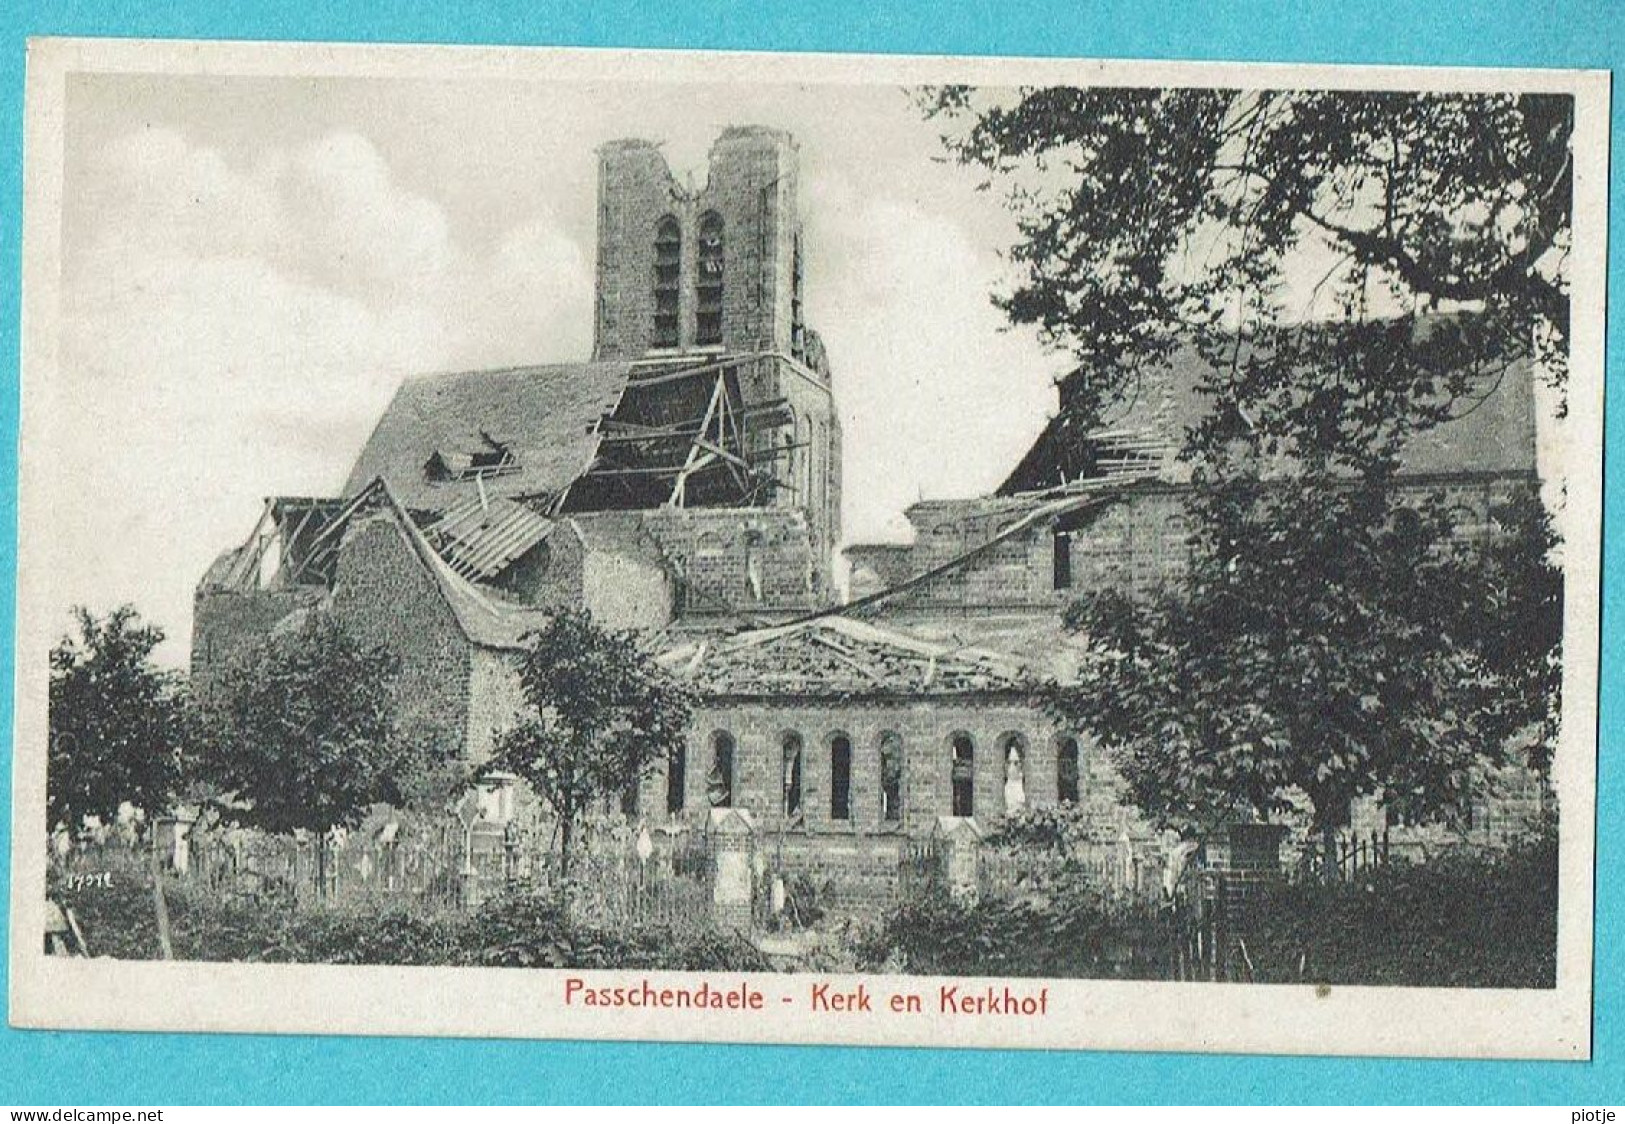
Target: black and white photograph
<point>809,549</point>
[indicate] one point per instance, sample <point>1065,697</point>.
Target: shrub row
<point>1463,920</point>
<point>1460,920</point>
<point>517,929</point>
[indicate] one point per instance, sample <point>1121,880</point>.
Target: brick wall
<point>1507,802</point>
<point>752,185</point>
<point>747,558</point>
<point>1132,545</point>
<point>382,596</point>
<point>635,190</point>
<point>858,874</point>
<point>1017,574</point>
<point>809,475</point>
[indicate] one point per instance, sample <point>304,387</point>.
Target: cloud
<point>233,326</point>
<point>938,396</point>
<point>232,333</point>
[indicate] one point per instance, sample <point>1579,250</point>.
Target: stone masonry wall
<point>925,727</point>
<point>495,702</point>
<point>746,558</point>
<point>382,596</point>
<point>1133,545</point>
<point>752,185</point>
<point>226,622</point>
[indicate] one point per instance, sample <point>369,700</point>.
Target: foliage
<point>804,900</point>
<point>1467,919</point>
<point>601,714</point>
<point>117,721</point>
<point>117,919</point>
<point>1329,643</point>
<point>1521,591</point>
<point>517,929</point>
<point>1154,217</point>
<point>433,771</point>
<point>300,731</point>
<point>1043,827</point>
<point>1334,637</point>
<point>526,929</point>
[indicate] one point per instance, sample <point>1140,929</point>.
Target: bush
<point>1048,827</point>
<point>1072,932</point>
<point>519,929</point>
<point>119,920</point>
<point>394,935</point>
<point>710,950</point>
<point>1462,920</point>
<point>528,929</point>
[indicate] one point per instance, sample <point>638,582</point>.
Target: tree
<point>117,721</point>
<point>302,734</point>
<point>1354,269</point>
<point>1240,221</point>
<point>1324,643</point>
<point>601,715</point>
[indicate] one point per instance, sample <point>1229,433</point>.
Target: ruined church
<point>685,480</point>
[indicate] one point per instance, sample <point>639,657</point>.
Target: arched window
<point>963,775</point>
<point>840,777</point>
<point>1013,759</point>
<point>708,286</point>
<point>891,777</point>
<point>668,281</point>
<point>676,777</point>
<point>792,775</point>
<point>719,782</point>
<point>1066,770</point>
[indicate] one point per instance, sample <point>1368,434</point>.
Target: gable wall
<point>382,596</point>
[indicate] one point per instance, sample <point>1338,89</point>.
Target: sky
<point>251,265</point>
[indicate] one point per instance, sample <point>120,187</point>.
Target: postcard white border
<point>322,999</point>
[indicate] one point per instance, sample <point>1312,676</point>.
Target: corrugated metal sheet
<point>479,539</point>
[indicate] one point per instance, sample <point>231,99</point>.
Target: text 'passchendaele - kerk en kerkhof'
<point>686,480</point>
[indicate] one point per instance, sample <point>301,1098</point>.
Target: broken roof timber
<point>841,657</point>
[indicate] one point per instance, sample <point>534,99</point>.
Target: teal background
<point>74,1068</point>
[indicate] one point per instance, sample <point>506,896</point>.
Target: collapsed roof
<point>1493,430</point>
<point>838,657</point>
<point>545,418</point>
<point>482,616</point>
<point>578,437</point>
